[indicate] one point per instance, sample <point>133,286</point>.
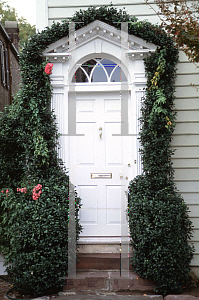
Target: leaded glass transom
<point>99,70</point>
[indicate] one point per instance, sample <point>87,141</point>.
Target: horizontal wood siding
<point>186,142</point>
<point>58,10</point>
<point>186,135</point>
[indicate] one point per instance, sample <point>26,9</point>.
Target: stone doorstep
<point>110,296</point>
<point>113,296</point>
<point>180,297</point>
<point>108,281</point>
<point>107,296</point>
<point>101,261</point>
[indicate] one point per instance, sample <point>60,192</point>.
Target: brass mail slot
<point>101,175</point>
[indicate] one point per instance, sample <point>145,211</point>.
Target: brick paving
<point>4,287</point>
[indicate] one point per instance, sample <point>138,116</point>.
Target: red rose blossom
<point>48,68</point>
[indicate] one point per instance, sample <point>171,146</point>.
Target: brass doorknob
<point>100,134</point>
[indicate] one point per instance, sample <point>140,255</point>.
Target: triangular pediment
<point>135,46</point>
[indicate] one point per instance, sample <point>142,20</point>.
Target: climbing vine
<point>34,231</point>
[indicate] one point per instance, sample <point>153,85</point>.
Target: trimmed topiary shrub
<point>34,185</point>
<point>158,217</point>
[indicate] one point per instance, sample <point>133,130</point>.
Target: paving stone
<point>180,297</point>
<point>66,293</point>
<point>42,298</point>
<point>111,297</point>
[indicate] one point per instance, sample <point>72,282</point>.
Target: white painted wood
<point>186,128</point>
<point>191,198</point>
<point>59,10</point>
<point>187,140</point>
<point>183,80</point>
<point>103,199</point>
<point>189,103</point>
<point>195,260</point>
<point>188,116</point>
<point>186,152</point>
<point>195,221</point>
<point>98,105</point>
<point>59,13</point>
<point>196,230</point>
<point>187,174</point>
<point>187,187</point>
<point>189,163</point>
<point>187,68</point>
<point>196,244</point>
<point>186,92</point>
<point>41,14</point>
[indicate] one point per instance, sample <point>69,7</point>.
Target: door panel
<point>86,144</point>
<point>113,144</point>
<point>98,117</point>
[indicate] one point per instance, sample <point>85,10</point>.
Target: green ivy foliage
<point>34,232</point>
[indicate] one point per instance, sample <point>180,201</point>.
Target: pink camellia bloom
<point>22,190</point>
<point>48,68</point>
<point>36,192</point>
<point>7,191</point>
<point>38,187</point>
<point>2,191</point>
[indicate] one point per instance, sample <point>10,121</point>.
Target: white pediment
<point>135,47</point>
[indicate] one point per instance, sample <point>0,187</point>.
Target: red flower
<point>2,191</point>
<point>23,190</point>
<point>48,68</point>
<point>36,192</point>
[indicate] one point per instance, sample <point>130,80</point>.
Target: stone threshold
<point>109,281</point>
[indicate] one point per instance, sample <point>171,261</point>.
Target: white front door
<point>101,164</point>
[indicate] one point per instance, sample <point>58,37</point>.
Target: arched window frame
<point>100,64</point>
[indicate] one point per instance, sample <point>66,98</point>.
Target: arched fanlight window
<point>99,70</point>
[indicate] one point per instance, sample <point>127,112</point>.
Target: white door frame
<point>95,40</point>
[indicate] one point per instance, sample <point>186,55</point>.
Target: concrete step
<point>101,261</point>
<point>105,296</point>
<point>108,281</point>
<point>106,272</point>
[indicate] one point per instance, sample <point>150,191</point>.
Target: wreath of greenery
<point>158,217</point>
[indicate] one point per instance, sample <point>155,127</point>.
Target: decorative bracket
<point>57,57</point>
